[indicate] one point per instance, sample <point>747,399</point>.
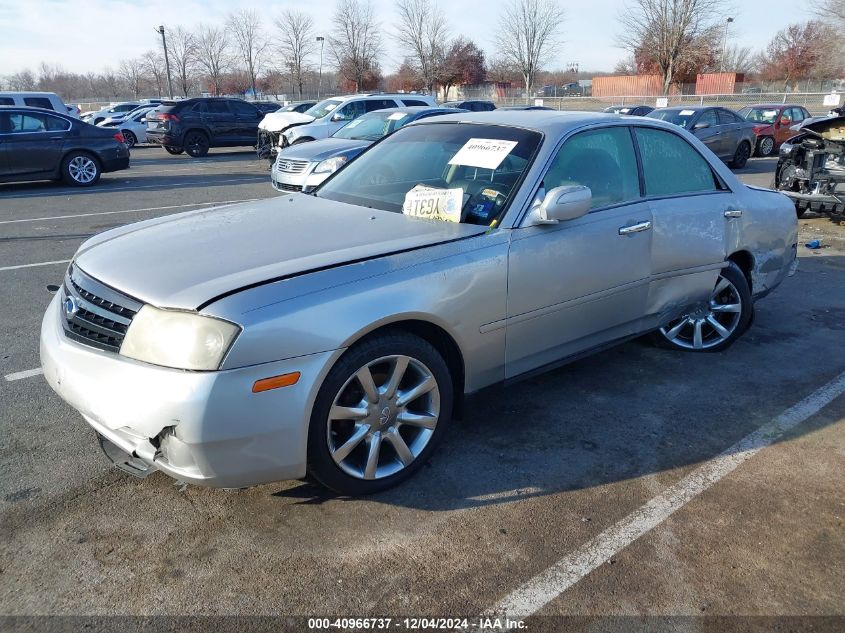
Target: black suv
<point>195,125</point>
<point>472,106</point>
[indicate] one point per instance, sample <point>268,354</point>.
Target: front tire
<point>81,169</point>
<point>379,414</point>
<point>714,327</point>
<point>129,139</point>
<point>765,146</point>
<point>196,144</point>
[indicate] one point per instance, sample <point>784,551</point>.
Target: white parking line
<point>173,206</point>
<point>548,585</point>
<point>58,261</point>
<point>78,192</point>
<point>29,373</point>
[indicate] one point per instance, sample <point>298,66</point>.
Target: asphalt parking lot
<point>638,482</point>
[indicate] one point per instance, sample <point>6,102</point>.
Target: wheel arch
<point>745,261</point>
<point>438,337</point>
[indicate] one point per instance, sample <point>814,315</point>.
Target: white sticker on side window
<point>486,153</point>
<point>434,204</point>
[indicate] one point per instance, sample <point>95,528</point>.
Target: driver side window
<point>603,160</point>
<point>349,112</point>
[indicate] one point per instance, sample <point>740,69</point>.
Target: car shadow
<point>758,166</point>
<point>632,412</point>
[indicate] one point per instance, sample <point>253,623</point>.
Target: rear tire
<point>365,438</point>
<point>173,150</point>
<point>741,156</point>
<point>81,169</point>
<point>196,144</point>
<point>713,328</point>
<point>765,146</point>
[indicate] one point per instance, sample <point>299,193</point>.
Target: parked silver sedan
<point>338,333</point>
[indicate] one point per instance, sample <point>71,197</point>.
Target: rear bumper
<point>116,164</point>
<point>206,428</point>
<point>160,138</point>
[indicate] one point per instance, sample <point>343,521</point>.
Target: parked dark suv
<point>195,125</point>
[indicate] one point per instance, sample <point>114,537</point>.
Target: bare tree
<point>423,32</point>
<point>739,59</point>
<point>529,35</point>
<point>23,80</point>
<point>830,10</point>
<point>297,43</point>
<point>671,31</point>
<point>249,41</point>
<point>154,67</point>
<point>212,46</point>
<point>132,72</point>
<point>356,41</point>
<point>182,48</point>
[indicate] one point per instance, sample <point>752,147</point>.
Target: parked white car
<point>133,127</point>
<point>115,109</point>
<point>46,100</point>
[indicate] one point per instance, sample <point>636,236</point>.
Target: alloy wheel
<point>767,146</point>
<point>82,169</point>
<point>383,417</point>
<point>709,326</point>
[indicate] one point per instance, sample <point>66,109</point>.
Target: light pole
<point>166,59</point>
<point>322,41</point>
<point>725,44</point>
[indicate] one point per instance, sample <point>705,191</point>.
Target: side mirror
<point>338,117</point>
<point>701,125</point>
<point>143,119</point>
<point>561,204</point>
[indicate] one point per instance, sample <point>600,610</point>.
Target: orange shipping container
<point>717,83</point>
<point>627,85</point>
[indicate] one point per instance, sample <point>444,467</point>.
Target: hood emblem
<point>71,307</point>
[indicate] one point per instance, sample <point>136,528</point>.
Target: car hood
<point>323,149</point>
<point>831,129</point>
<point>278,121</point>
<point>187,260</point>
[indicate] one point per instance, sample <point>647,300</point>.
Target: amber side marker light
<point>285,380</point>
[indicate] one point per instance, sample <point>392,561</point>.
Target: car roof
<point>5,108</point>
<point>686,107</point>
<point>552,122</point>
<point>774,105</point>
<point>28,93</point>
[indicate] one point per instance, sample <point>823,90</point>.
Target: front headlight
<point>330,165</point>
<point>182,340</point>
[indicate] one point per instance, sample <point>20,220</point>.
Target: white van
<point>46,100</point>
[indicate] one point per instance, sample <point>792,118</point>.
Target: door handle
<point>635,228</point>
<point>56,138</point>
<point>733,213</point>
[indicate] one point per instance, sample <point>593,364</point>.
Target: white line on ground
<point>29,373</point>
<point>104,189</point>
<point>58,261</point>
<point>549,584</point>
<point>173,206</point>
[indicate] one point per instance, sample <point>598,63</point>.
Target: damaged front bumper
<point>206,428</point>
<point>811,167</point>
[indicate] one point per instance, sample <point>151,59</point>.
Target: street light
<point>322,41</point>
<point>166,59</point>
<point>725,45</point>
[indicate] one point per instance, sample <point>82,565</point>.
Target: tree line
<point>250,53</point>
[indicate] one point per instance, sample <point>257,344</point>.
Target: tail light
<point>119,137</point>
<point>169,117</point>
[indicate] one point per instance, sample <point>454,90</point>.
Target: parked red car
<point>773,121</point>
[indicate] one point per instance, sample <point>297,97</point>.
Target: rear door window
<point>218,107</point>
<point>38,102</point>
<point>671,166</point>
<point>7,101</point>
<point>379,104</point>
<point>413,102</point>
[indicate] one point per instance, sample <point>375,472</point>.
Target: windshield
<point>371,127</point>
<point>759,115</point>
<point>323,108</point>
<point>457,171</point>
<point>678,117</point>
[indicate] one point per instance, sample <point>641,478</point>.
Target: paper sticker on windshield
<point>486,153</point>
<point>434,204</point>
<point>396,116</point>
<point>352,124</point>
<point>687,112</point>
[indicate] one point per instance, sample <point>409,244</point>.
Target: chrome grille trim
<point>289,166</point>
<point>103,314</point>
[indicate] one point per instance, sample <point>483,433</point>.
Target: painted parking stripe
<point>172,206</point>
<point>58,261</point>
<point>29,373</point>
<point>549,584</point>
<point>204,183</point>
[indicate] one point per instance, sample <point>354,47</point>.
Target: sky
<point>89,35</point>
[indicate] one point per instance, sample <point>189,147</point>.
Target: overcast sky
<point>88,35</point>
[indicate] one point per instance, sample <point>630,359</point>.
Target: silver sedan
<point>338,333</point>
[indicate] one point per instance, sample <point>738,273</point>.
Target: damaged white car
<point>811,168</point>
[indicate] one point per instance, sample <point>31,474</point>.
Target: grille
<point>95,314</point>
<point>289,166</point>
<point>286,187</point>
